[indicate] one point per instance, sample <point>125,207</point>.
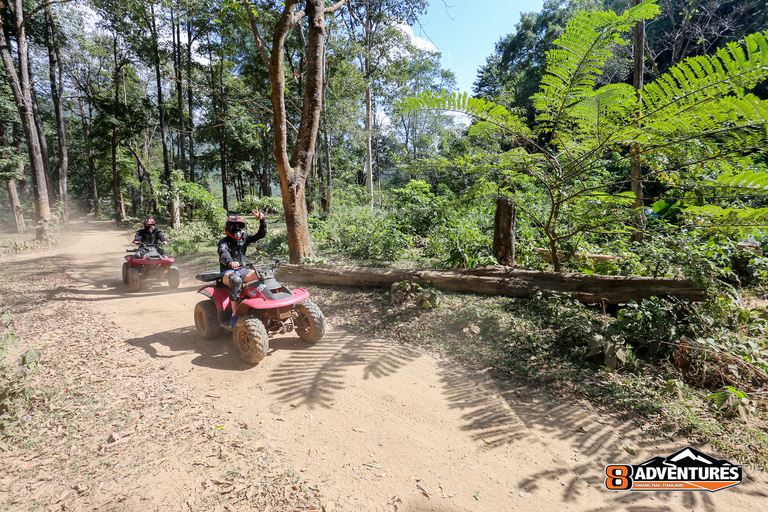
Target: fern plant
<point>698,113</point>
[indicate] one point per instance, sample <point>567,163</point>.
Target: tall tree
<point>295,169</point>
<point>367,23</point>
<point>9,158</point>
<point>57,95</point>
<point>635,169</point>
<point>21,86</point>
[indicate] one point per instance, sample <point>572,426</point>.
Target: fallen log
<point>499,280</point>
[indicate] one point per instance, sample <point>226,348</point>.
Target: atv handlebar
<point>140,245</point>
<point>261,271</point>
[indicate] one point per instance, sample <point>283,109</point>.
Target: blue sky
<point>466,31</point>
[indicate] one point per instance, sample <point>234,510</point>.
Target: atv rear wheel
<point>134,280</point>
<point>125,273</point>
<point>173,277</point>
<point>207,320</point>
<point>310,326</point>
<point>251,340</point>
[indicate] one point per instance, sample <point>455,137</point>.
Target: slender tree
<point>57,95</point>
<point>295,169</point>
<point>21,86</point>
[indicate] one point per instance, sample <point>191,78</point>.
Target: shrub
<point>12,376</point>
<point>363,232</point>
<point>419,209</point>
<point>266,204</point>
<point>462,241</point>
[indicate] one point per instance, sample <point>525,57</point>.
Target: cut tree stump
<point>500,280</point>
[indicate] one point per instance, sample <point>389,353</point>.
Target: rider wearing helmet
<point>150,234</point>
<point>232,250</point>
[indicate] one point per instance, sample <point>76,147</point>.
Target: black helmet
<point>235,227</point>
<point>149,224</point>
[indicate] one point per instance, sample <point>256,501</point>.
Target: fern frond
<point>599,114</point>
<point>578,59</point>
<point>733,69</point>
<point>480,109</point>
<point>731,121</point>
<point>745,217</point>
<point>750,180</point>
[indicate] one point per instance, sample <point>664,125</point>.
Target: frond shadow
<point>312,377</point>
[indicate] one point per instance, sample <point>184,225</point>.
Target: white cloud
<point>418,42</point>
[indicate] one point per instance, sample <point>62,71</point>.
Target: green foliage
<point>419,209</point>
<point>464,239</point>
<point>363,232</point>
<point>12,375</point>
<point>276,245</point>
<point>206,207</point>
<point>700,112</point>
<point>731,402</point>
<point>266,204</point>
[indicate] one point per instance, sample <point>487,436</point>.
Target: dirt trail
<point>379,427</point>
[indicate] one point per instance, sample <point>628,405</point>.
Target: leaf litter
<point>106,427</point>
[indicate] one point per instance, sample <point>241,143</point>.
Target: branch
<point>255,31</point>
<point>335,7</point>
<point>38,9</point>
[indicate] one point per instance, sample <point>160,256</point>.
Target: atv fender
<point>219,296</point>
<point>255,301</point>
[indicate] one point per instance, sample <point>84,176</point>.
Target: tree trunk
<point>635,169</point>
<point>13,195</point>
<point>173,209</point>
<point>51,190</point>
<point>57,93</point>
<point>145,175</point>
<point>89,156</point>
<point>218,115</point>
<point>21,86</point>
<point>504,231</point>
<point>23,187</point>
<point>327,190</point>
<point>494,280</point>
<point>160,108</point>
<point>116,181</point>
<point>179,92</point>
<point>293,172</point>
<point>13,200</point>
<point>189,99</point>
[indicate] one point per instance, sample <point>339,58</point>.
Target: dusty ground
<point>148,416</point>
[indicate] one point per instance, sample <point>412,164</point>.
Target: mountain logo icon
<point>685,470</point>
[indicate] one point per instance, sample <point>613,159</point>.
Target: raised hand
<point>257,213</point>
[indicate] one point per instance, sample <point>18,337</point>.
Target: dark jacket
<point>234,250</point>
<point>156,237</point>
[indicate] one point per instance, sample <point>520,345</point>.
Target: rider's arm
<point>224,257</point>
<point>261,233</point>
<point>160,236</point>
<point>137,238</point>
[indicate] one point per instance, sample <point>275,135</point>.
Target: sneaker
<point>233,321</point>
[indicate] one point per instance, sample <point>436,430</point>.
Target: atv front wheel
<point>134,280</point>
<point>125,273</point>
<point>310,326</point>
<point>251,340</point>
<point>207,320</point>
<point>173,277</point>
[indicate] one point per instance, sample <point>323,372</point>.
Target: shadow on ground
<point>312,377</point>
<point>519,414</point>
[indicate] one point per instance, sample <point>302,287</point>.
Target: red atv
<point>266,308</point>
<point>151,266</point>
